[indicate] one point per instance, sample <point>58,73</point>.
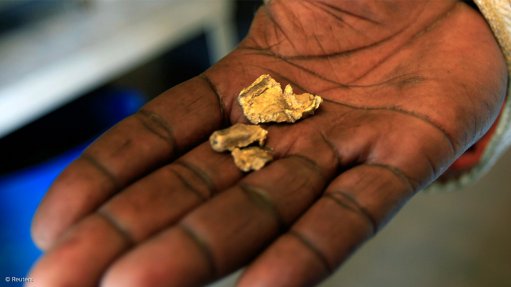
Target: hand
<point>407,87</point>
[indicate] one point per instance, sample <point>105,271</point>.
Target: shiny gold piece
<point>251,158</point>
<point>237,136</point>
<point>236,139</point>
<point>263,102</point>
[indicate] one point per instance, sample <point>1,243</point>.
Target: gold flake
<point>263,102</point>
<point>237,136</point>
<point>251,158</point>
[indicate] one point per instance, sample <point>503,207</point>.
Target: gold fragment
<point>251,158</point>
<point>237,136</point>
<point>263,102</point>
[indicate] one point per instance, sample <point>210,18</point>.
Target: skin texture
<point>407,87</point>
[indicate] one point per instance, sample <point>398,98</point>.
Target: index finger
<point>179,118</point>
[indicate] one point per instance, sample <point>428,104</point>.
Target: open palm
<point>407,87</point>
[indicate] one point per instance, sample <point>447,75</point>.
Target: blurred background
<point>69,69</point>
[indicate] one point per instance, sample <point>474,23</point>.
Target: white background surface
<point>44,66</point>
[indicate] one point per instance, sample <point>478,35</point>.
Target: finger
<point>145,207</point>
<point>224,233</point>
<point>180,117</point>
<point>353,207</point>
<point>163,197</point>
<point>87,248</point>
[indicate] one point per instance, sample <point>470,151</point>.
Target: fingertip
<point>115,276</point>
<point>40,238</point>
<point>169,259</point>
<point>76,192</point>
<point>46,273</point>
<point>49,220</point>
<point>284,264</point>
<point>42,278</point>
<point>130,273</point>
<point>79,258</point>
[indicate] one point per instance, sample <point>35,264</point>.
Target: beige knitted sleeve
<point>498,15</point>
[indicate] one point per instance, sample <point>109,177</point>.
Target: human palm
<point>407,87</point>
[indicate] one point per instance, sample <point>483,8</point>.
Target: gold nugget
<point>263,102</point>
<point>237,136</point>
<point>251,158</point>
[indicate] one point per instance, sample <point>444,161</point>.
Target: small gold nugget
<point>251,158</point>
<point>237,136</point>
<point>263,101</point>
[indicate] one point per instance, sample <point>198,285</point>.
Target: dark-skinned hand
<point>407,87</point>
